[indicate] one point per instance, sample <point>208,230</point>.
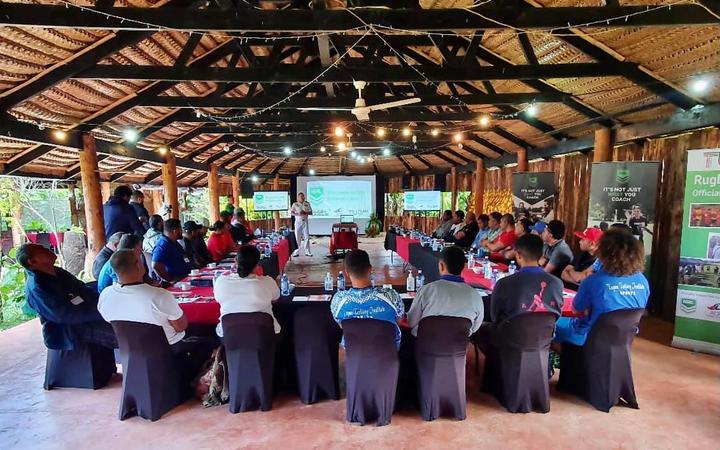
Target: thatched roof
<point>37,61</point>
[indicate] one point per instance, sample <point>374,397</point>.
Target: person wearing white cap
<point>301,210</point>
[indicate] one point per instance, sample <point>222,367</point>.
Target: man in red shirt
<point>220,244</point>
<point>506,238</point>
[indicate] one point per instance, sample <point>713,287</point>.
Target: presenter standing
<point>301,210</point>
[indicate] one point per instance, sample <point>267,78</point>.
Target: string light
<point>339,132</point>
<point>311,172</point>
<point>162,150</point>
<point>406,132</point>
<point>130,134</point>
<point>435,132</point>
<point>353,154</point>
<point>226,148</point>
<point>484,120</point>
<point>287,151</point>
<point>380,132</point>
<point>700,85</point>
<point>531,110</point>
<point>60,135</point>
<point>322,149</point>
<point>458,137</point>
<point>386,151</point>
<point>254,178</point>
<point>342,147</point>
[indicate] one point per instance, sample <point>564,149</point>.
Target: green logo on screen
<point>533,181</point>
<point>259,198</point>
<point>688,305</point>
<point>622,176</point>
<point>410,198</point>
<point>316,194</point>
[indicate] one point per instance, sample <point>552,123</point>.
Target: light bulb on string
<point>130,134</point>
<point>484,120</point>
<point>386,151</point>
<point>60,135</point>
<point>458,137</point>
<point>311,172</point>
<point>380,132</point>
<point>406,132</point>
<point>353,154</point>
<point>162,150</point>
<point>414,139</point>
<point>700,85</point>
<point>254,178</point>
<point>435,132</point>
<point>322,149</point>
<point>339,132</point>
<point>342,147</point>
<point>287,150</point>
<point>226,148</point>
<point>532,110</point>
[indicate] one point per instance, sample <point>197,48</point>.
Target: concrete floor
<point>678,391</point>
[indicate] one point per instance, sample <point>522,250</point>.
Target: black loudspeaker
<point>440,182</point>
<point>406,182</point>
<point>247,189</point>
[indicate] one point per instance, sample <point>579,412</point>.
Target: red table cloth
<point>477,279</point>
<point>402,244</point>
<point>343,240</point>
<point>283,253</point>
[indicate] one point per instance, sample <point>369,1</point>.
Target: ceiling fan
<point>361,111</point>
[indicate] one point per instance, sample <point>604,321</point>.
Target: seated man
<point>107,274</point>
<point>466,235</point>
<point>244,291</point>
<point>618,283</point>
<point>483,222</point>
<point>189,230</point>
<point>200,249</point>
<point>458,221</point>
<point>529,290</point>
<point>363,301</point>
<point>504,239</point>
<point>448,296</point>
<point>556,253</point>
<point>66,306</point>
<point>238,231</point>
<point>221,244</point>
<point>105,253</point>
<point>168,260</point>
<point>576,271</point>
<point>153,234</point>
<point>445,223</point>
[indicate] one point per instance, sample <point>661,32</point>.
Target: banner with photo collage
<point>625,192</point>
<point>533,195</point>
<point>697,311</point>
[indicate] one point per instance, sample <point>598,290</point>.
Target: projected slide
<point>422,201</point>
<point>270,200</point>
<point>335,198</point>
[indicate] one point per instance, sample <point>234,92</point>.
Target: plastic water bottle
<point>268,250</point>
<point>328,282</point>
<point>410,285</point>
<point>512,268</point>
<point>494,278</point>
<point>470,260</point>
<point>487,268</point>
<point>419,280</point>
<point>341,282</point>
<point>216,275</point>
<point>284,285</point>
<point>372,279</point>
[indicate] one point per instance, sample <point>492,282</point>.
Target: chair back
<point>369,337</point>
<point>314,327</point>
<point>140,340</point>
<point>248,331</point>
<point>616,328</point>
<point>529,331</point>
<point>443,336</point>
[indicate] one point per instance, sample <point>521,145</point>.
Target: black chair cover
<point>317,340</point>
<point>88,366</point>
<point>249,340</point>
<point>371,368</point>
<point>516,364</point>
<point>154,380</point>
<point>440,351</point>
<point>600,371</point>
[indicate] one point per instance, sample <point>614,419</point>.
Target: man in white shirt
<point>133,300</point>
<point>245,292</point>
<point>301,210</point>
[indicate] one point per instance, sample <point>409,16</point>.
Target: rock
<point>73,252</point>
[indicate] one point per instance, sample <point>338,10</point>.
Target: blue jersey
<point>369,303</point>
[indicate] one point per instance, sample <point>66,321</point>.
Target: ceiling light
<point>386,151</point>
<point>254,178</point>
<point>322,149</point>
<point>434,132</point>
<point>130,134</point>
<point>362,160</point>
<point>342,147</point>
<point>226,148</point>
<point>700,85</point>
<point>484,120</point>
<point>381,132</point>
<point>162,150</point>
<point>287,150</point>
<point>414,139</point>
<point>532,110</point>
<point>311,171</point>
<point>458,137</point>
<point>406,132</point>
<point>339,132</point>
<point>60,135</point>
<point>353,154</point>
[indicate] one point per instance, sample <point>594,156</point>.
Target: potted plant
<point>373,227</point>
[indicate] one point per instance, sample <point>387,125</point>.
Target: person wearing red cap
<point>581,265</point>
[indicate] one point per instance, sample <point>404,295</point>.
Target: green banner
<point>697,323</point>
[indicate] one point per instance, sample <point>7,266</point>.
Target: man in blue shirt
<point>363,301</point>
<point>66,306</point>
<point>168,258</point>
<point>119,215</point>
<point>108,277</point>
<point>483,223</point>
<point>617,284</point>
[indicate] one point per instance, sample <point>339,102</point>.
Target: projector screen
<point>422,201</point>
<point>271,200</point>
<point>332,197</point>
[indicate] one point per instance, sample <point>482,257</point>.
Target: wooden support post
<point>74,218</point>
<point>236,189</point>
<point>453,183</point>
<point>603,151</point>
<point>90,178</point>
<point>522,161</point>
<point>276,187</point>
<point>214,193</point>
<point>105,189</point>
<point>169,178</point>
<point>479,186</point>
<point>157,201</point>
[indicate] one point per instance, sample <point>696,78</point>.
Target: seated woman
<point>363,301</point>
<point>220,244</point>
<point>522,228</point>
<point>245,292</point>
<point>618,284</point>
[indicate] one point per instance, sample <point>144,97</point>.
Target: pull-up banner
<point>534,195</point>
<point>625,192</point>
<point>697,311</point>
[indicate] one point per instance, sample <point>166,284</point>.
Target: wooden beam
<point>169,177</point>
<point>527,47</point>
<point>453,188</point>
<point>424,161</point>
<point>214,193</point>
<point>236,189</point>
<point>522,161</point>
<point>405,163</point>
<point>126,170</point>
<point>603,145</point>
<point>29,156</point>
<point>92,198</point>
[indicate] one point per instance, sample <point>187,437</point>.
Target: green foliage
<point>12,292</point>
<point>374,226</point>
<point>394,204</point>
<point>35,225</point>
<point>463,200</point>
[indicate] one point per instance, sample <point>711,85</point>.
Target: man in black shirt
<point>199,247</point>
<point>136,201</point>
<point>466,235</point>
<point>105,253</point>
<point>637,222</point>
<point>577,270</point>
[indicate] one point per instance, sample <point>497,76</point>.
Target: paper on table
<point>408,295</point>
<point>320,298</point>
<point>300,298</point>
